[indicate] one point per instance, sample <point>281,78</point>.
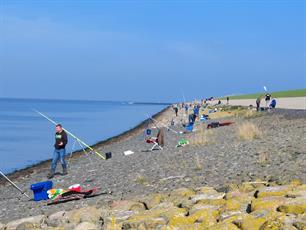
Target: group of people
<point>61,138</point>
<point>270,104</point>
<point>196,107</point>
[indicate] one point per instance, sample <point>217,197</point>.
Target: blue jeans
<point>58,154</point>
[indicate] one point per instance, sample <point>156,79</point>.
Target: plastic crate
<point>40,190</point>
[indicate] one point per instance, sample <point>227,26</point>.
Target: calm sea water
<point>27,138</point>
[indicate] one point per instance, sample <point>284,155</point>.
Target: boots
<point>50,174</point>
<point>64,171</point>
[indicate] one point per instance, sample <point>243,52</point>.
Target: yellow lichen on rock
<point>274,191</point>
<point>222,226</point>
<point>205,190</point>
<point>268,203</point>
<point>274,224</point>
<point>271,208</point>
<point>246,187</point>
<point>182,192</point>
<point>206,216</point>
<point>213,202</point>
<point>252,223</point>
<point>293,208</point>
<point>231,205</point>
<point>152,200</point>
<point>180,220</point>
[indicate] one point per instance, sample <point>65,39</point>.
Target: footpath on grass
<point>283,103</point>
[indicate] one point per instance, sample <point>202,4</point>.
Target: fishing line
<point>72,135</point>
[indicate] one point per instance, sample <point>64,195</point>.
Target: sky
<point>159,51</point>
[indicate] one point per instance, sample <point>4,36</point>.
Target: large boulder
<point>207,217</point>
<point>155,217</point>
<point>232,217</point>
<point>256,219</point>
<point>273,191</point>
<point>56,219</point>
<point>27,226</point>
<point>198,207</point>
<point>178,196</point>
<point>231,205</point>
<point>272,224</point>
<point>182,192</point>
<point>35,221</point>
<point>236,197</point>
<point>121,211</point>
<point>88,214</point>
<point>209,198</point>
<point>205,190</point>
<point>292,208</point>
<point>267,203</point>
<point>223,226</point>
<point>145,223</point>
<point>87,226</point>
<point>127,205</point>
<point>151,201</point>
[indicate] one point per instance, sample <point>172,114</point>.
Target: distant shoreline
<point>85,100</point>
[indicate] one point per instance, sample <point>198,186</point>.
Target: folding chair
<point>153,140</point>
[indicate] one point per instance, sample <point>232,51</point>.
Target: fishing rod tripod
<point>76,140</point>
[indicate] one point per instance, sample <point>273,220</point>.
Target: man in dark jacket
<point>59,153</point>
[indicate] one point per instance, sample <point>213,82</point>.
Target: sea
<point>27,138</point>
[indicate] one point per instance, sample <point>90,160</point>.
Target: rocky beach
<point>249,175</point>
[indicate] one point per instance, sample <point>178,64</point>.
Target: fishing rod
<point>71,134</point>
<point>12,183</point>
<point>151,118</point>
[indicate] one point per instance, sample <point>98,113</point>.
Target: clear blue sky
<point>150,50</point>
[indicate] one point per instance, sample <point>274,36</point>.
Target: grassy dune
<point>278,94</point>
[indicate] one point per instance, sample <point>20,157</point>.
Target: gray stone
<point>56,219</point>
<point>27,226</point>
<point>87,226</point>
<point>35,220</point>
<point>215,196</point>
<point>86,214</point>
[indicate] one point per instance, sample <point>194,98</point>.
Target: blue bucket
<point>40,190</point>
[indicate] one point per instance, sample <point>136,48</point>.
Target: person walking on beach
<point>258,103</point>
<point>196,111</point>
<point>59,153</point>
<point>227,100</point>
<point>175,110</point>
<point>186,108</point>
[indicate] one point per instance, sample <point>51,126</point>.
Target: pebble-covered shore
<point>277,156</point>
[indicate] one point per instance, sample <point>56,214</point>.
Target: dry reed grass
<point>198,162</point>
<point>202,137</point>
<point>263,158</point>
<point>248,131</point>
<point>141,179</point>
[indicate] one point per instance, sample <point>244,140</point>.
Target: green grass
<point>278,94</point>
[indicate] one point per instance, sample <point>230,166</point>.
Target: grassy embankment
<point>278,94</point>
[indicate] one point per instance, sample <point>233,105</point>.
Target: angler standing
<point>59,153</point>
